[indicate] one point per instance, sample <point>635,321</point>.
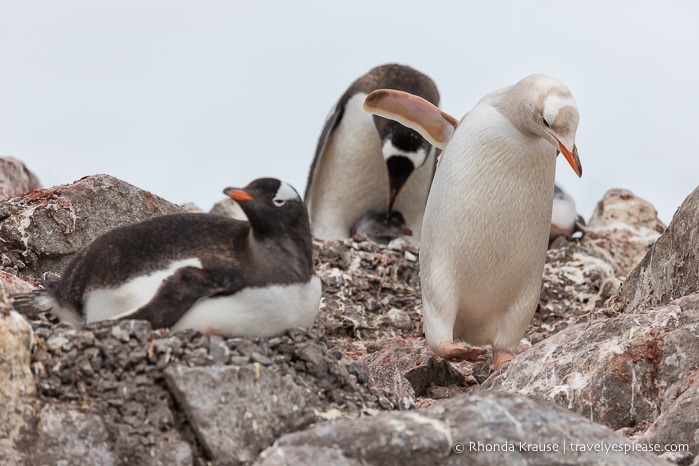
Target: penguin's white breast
<point>352,177</point>
<point>121,300</point>
<point>488,214</point>
<point>256,312</point>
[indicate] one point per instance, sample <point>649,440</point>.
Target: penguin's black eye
<point>546,123</point>
<point>279,202</point>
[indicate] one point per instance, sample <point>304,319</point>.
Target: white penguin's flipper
<point>414,112</point>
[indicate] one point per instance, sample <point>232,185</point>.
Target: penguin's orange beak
<point>237,194</point>
<point>571,157</point>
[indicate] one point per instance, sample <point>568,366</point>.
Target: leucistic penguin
<point>488,216</point>
<point>202,271</point>
<point>365,163</point>
<point>380,229</point>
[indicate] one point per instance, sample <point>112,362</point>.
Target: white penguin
<point>487,219</point>
<point>365,163</point>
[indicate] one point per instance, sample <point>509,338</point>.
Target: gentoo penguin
<point>202,271</point>
<point>564,218</point>
<point>487,220</point>
<point>366,164</point>
<point>379,229</point>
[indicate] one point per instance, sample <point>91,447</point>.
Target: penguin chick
<point>376,227</point>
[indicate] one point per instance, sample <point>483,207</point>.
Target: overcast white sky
<point>186,98</point>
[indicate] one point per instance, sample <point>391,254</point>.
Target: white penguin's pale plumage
<point>362,162</point>
<point>487,219</point>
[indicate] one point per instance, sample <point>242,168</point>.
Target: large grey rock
<point>487,428</point>
<point>303,455</point>
<point>41,230</point>
<point>613,370</point>
<point>670,270</point>
<point>678,424</point>
<point>15,178</point>
<point>67,436</point>
<point>17,388</point>
<point>236,412</point>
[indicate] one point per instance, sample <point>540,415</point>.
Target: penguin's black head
<point>271,206</point>
<point>404,150</point>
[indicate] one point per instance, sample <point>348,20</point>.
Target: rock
<point>68,436</point>
<point>487,428</point>
<point>413,438</point>
<point>15,178</point>
<point>17,388</point>
<point>236,411</point>
<point>580,275</point>
<point>622,208</point>
<point>410,361</point>
<point>12,284</point>
<point>370,291</point>
<point>670,270</point>
<point>171,397</point>
<point>228,208</point>
<point>291,455</point>
<point>613,370</point>
<point>41,230</point>
<point>679,422</point>
<point>623,227</point>
<point>390,379</point>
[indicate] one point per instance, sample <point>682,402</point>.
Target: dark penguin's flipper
<point>178,293</point>
<point>331,123</point>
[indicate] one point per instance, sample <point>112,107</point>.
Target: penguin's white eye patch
<point>554,103</point>
<point>285,193</point>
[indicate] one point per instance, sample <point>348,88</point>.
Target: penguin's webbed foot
<point>500,359</point>
<point>460,352</point>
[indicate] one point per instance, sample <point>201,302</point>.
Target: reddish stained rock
<point>44,228</point>
<point>613,370</point>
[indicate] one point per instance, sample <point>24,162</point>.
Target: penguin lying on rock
<point>488,216</point>
<point>201,271</point>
